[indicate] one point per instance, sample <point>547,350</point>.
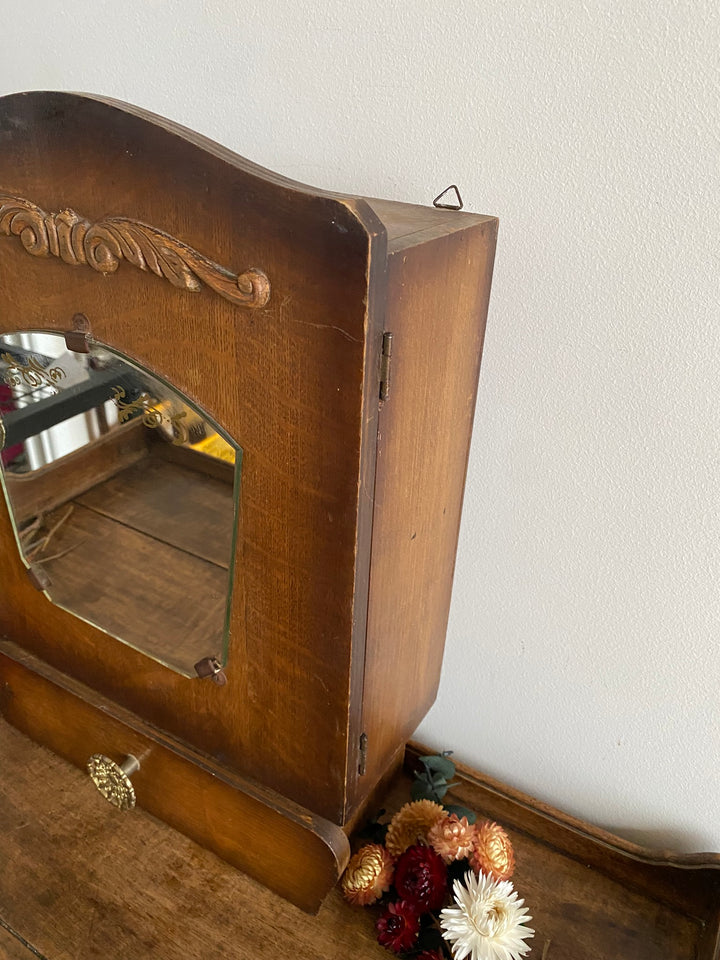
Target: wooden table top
<point>79,879</point>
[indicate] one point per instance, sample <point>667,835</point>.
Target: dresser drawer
<point>299,854</point>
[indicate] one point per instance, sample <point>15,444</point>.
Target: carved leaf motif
<point>103,245</point>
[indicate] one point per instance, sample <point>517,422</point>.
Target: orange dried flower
<point>368,875</point>
<point>412,824</point>
<point>492,852</point>
<point>452,837</point>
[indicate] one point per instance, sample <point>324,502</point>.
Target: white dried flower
<point>488,922</point>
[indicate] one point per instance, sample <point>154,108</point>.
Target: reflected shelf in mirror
<point>123,496</point>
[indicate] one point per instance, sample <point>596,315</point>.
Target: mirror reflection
<point>123,496</point>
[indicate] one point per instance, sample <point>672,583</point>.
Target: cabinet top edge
<point>408,224</point>
<point>404,222</point>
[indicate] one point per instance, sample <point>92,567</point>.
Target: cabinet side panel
<point>437,306</point>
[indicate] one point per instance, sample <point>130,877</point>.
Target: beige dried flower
<point>452,837</point>
<point>368,875</point>
<point>492,852</point>
<point>412,824</point>
<point>488,922</point>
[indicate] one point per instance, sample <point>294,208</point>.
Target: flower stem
<point>447,952</point>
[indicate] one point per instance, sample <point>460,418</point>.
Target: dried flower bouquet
<point>441,880</point>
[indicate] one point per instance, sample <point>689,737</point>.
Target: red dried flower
<point>421,878</point>
<point>397,927</point>
<point>427,955</point>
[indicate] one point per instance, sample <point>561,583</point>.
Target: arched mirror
<point>123,495</point>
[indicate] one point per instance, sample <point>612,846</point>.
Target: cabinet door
<point>254,304</point>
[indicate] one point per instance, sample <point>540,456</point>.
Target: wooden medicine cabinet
<point>236,414</point>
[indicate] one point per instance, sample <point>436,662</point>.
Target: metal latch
<point>385,365</point>
<point>362,761</point>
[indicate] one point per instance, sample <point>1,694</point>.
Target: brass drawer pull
<point>113,780</point>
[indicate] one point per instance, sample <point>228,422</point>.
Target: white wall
<point>582,661</point>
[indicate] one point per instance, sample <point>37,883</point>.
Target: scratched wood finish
<point>77,882</point>
<point>675,898</point>
<point>12,947</point>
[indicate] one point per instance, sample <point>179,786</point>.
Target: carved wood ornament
<point>102,245</point>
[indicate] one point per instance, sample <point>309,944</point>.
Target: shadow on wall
<point>659,838</point>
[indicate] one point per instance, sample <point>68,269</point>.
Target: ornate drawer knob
<point>113,780</point>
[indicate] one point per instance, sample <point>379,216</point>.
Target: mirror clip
<point>77,341</point>
<point>39,577</point>
<point>212,668</point>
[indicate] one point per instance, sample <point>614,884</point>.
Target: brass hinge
<point>385,365</point>
<point>362,764</point>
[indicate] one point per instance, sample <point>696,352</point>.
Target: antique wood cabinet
<point>237,570</point>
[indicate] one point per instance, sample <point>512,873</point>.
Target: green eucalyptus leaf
<point>421,790</point>
<point>461,811</point>
<point>439,764</point>
<point>426,791</point>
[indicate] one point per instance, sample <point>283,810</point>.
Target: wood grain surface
<point>286,381</point>
<point>423,445</point>
<point>144,555</point>
<point>13,947</point>
<point>153,596</point>
<point>80,879</point>
<point>596,896</point>
<point>296,383</point>
<point>172,503</point>
<point>295,852</point>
